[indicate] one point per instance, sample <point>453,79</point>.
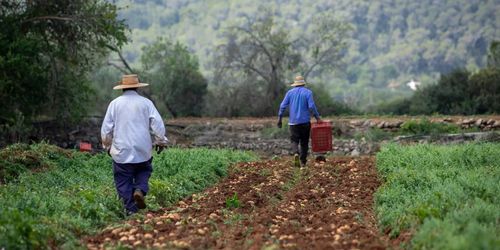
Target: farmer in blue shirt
<point>301,102</point>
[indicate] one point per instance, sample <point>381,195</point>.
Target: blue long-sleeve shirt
<point>301,102</point>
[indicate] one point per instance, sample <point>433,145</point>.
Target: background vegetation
<point>389,43</point>
<point>236,58</point>
<point>457,92</point>
<point>47,49</point>
<point>68,194</point>
<point>446,197</point>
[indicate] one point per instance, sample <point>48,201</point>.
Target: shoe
<point>139,199</point>
<point>302,164</point>
<point>296,161</point>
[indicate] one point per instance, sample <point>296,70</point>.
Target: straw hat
<point>299,81</point>
<point>130,82</point>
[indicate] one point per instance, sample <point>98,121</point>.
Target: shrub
<point>18,158</point>
<point>426,127</point>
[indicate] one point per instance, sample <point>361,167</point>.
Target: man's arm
<point>107,128</point>
<point>312,106</point>
<point>157,127</point>
<point>284,104</point>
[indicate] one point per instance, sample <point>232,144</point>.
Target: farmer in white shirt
<point>128,130</point>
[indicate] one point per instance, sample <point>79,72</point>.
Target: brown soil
<point>327,205</point>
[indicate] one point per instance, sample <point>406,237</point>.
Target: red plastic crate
<point>321,136</point>
<point>85,147</point>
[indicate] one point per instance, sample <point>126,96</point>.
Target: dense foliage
<point>19,158</point>
<point>260,55</point>
<point>54,206</point>
<point>445,196</point>
<point>391,42</point>
<point>459,92</point>
<point>47,48</point>
<point>176,82</point>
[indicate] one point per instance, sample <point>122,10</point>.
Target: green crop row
<point>446,197</point>
<point>18,158</point>
<point>74,195</point>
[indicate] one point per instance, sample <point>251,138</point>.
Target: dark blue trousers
<point>129,177</point>
<point>299,134</point>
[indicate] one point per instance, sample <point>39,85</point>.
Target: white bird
<point>413,85</point>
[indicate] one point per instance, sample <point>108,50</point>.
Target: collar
<point>130,92</point>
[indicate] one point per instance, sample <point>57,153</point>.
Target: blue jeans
<point>131,176</point>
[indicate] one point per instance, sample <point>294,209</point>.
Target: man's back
<point>301,102</point>
<point>129,118</point>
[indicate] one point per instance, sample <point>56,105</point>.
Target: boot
<point>139,199</point>
<point>296,161</point>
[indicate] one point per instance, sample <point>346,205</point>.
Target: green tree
<point>484,87</point>
<point>449,96</point>
<point>420,39</point>
<point>47,49</point>
<point>175,78</point>
<point>459,92</point>
<point>265,54</point>
<point>494,55</point>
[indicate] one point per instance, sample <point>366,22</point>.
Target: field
<point>266,205</point>
<point>444,197</point>
<point>68,194</point>
<point>415,197</point>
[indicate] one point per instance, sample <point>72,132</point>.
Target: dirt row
<point>266,205</point>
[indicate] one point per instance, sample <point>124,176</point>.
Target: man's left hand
<point>159,148</point>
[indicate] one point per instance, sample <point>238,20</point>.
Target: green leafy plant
<point>233,201</point>
<point>426,127</point>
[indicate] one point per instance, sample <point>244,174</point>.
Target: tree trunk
<point>171,110</point>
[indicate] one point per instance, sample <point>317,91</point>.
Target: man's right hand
<point>279,124</point>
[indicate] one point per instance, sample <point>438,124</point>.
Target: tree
<point>47,49</point>
<point>449,96</point>
<point>460,92</point>
<point>484,87</point>
<point>175,78</point>
<point>494,55</point>
<point>264,54</point>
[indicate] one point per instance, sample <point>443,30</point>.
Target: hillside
<point>391,41</point>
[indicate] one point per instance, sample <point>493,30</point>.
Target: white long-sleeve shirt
<point>130,122</point>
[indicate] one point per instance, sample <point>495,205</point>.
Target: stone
<point>496,124</point>
<point>468,121</point>
<point>479,122</point>
<point>355,152</point>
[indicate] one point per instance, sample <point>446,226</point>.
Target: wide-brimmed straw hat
<point>299,81</point>
<point>130,82</point>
